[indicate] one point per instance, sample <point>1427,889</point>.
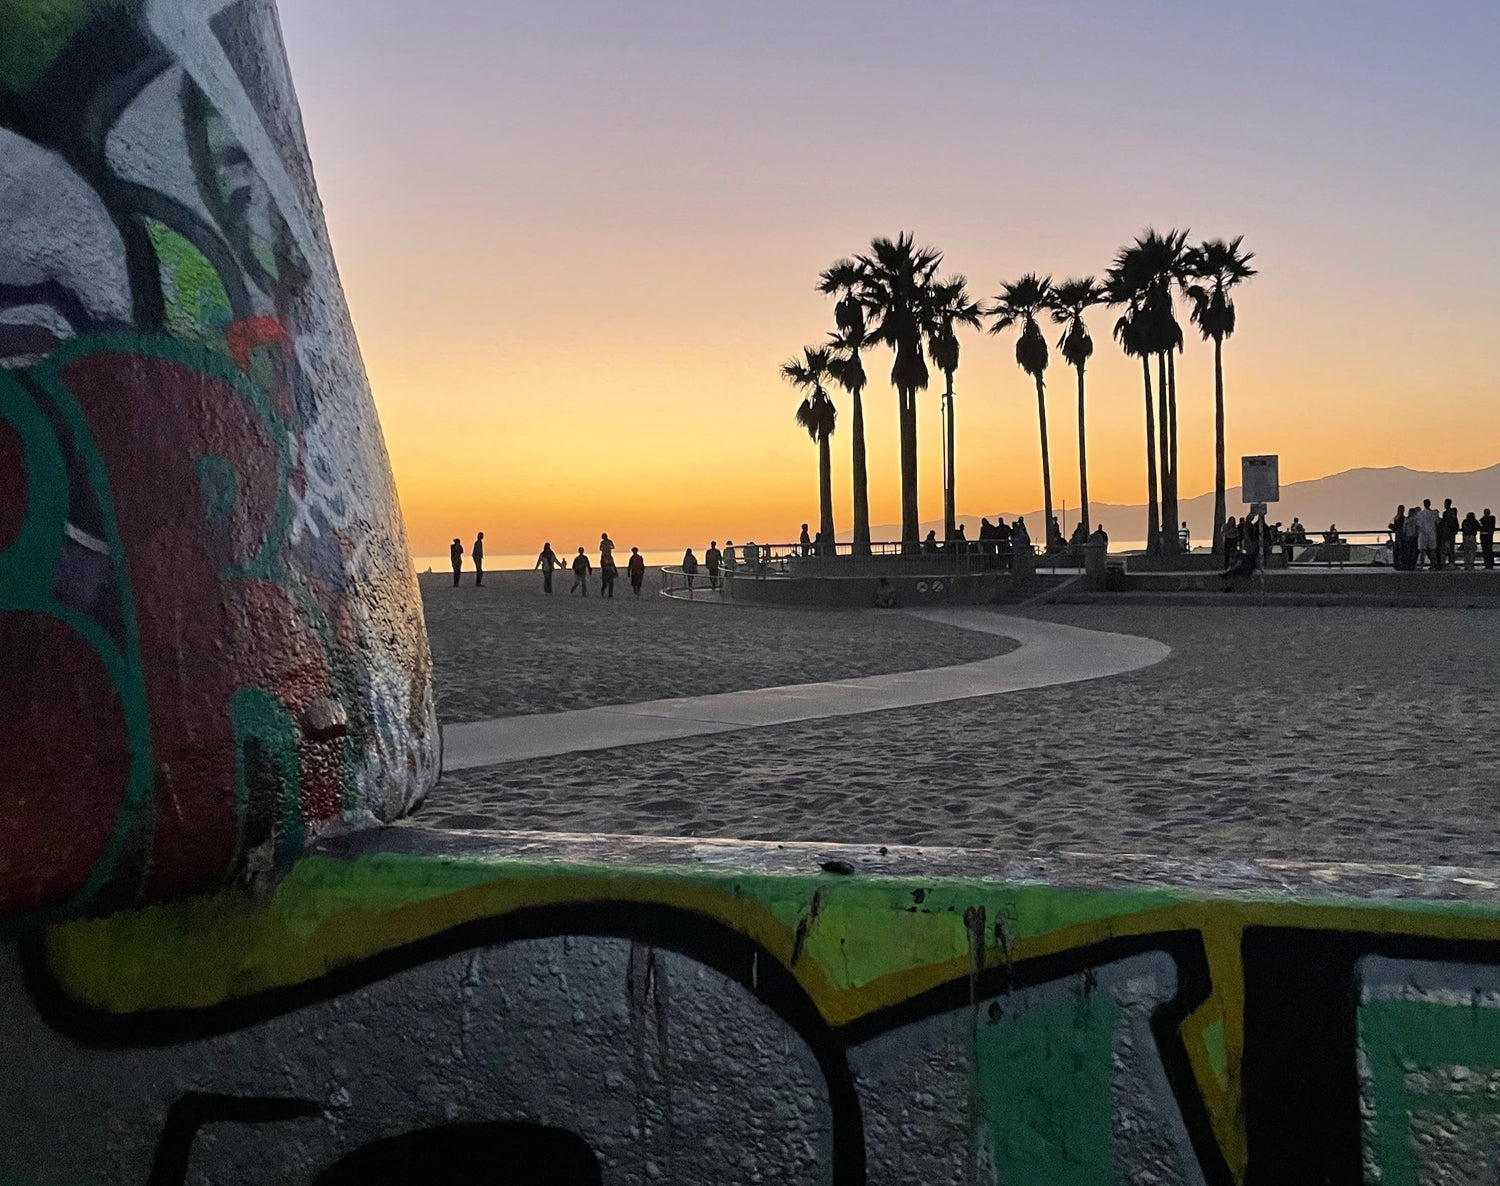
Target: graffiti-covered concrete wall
<point>210,635</point>
<point>529,1009</point>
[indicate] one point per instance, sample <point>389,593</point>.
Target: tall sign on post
<point>1260,481</point>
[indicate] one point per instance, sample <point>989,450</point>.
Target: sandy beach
<point>1329,734</point>
<point>507,648</point>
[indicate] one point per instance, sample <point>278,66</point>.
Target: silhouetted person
<point>1469,528</point>
<point>1003,541</point>
<point>1448,532</point>
<point>1487,537</point>
<point>1185,537</point>
<point>1055,540</point>
<point>930,544</point>
<point>478,554</point>
<point>1020,534</point>
<point>581,570</point>
<point>713,560</point>
<point>752,558</point>
<point>1427,534</point>
<point>731,560</point>
<point>635,569</point>
<point>1232,541</point>
<point>1079,536</point>
<point>456,554</point>
<point>806,541</point>
<point>547,561</point>
<point>1397,529</point>
<point>690,569</point>
<point>960,541</point>
<point>607,569</point>
<point>1099,536</point>
<point>986,536</point>
<point>1411,533</point>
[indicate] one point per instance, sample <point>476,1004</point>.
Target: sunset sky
<point>578,239</point>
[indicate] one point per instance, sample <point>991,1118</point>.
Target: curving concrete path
<point>1049,654</point>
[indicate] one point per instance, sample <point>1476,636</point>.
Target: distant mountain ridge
<point>1356,500</point>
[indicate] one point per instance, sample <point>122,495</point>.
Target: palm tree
<point>1019,305</point>
<point>951,307</point>
<point>844,280</point>
<point>1219,266</point>
<point>817,414</point>
<point>1132,340</point>
<point>1143,276</point>
<point>895,282</point>
<point>1070,300</point>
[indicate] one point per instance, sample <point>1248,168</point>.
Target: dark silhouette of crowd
<point>1426,537</point>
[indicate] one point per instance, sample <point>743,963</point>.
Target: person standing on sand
<point>547,561</point>
<point>713,560</point>
<point>1470,529</point>
<point>606,549</point>
<point>635,569</point>
<point>607,573</point>
<point>689,568</point>
<point>478,554</point>
<point>1487,537</point>
<point>456,554</point>
<point>581,570</point>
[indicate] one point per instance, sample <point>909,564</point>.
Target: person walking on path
<point>689,568</point>
<point>581,570</point>
<point>713,560</point>
<point>1487,537</point>
<point>1470,530</point>
<point>456,554</point>
<point>635,569</point>
<point>1448,533</point>
<point>478,554</point>
<point>547,561</point>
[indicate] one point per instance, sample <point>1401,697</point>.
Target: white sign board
<point>1260,479</point>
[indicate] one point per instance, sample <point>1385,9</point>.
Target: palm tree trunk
<point>950,518</point>
<point>910,523</point>
<point>1218,446</point>
<point>1172,403</point>
<point>1083,460</point>
<point>861,482</point>
<point>1168,504</point>
<point>825,495</point>
<point>1041,412</point>
<point>1153,522</point>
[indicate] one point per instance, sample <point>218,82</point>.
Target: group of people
<point>1424,534</point>
<point>583,569</point>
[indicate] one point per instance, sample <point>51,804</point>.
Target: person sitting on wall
<point>1079,536</point>
<point>885,594</point>
<point>930,544</point>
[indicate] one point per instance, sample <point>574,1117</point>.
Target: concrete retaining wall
<point>909,591</point>
<point>211,640</point>
<point>633,1012</point>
